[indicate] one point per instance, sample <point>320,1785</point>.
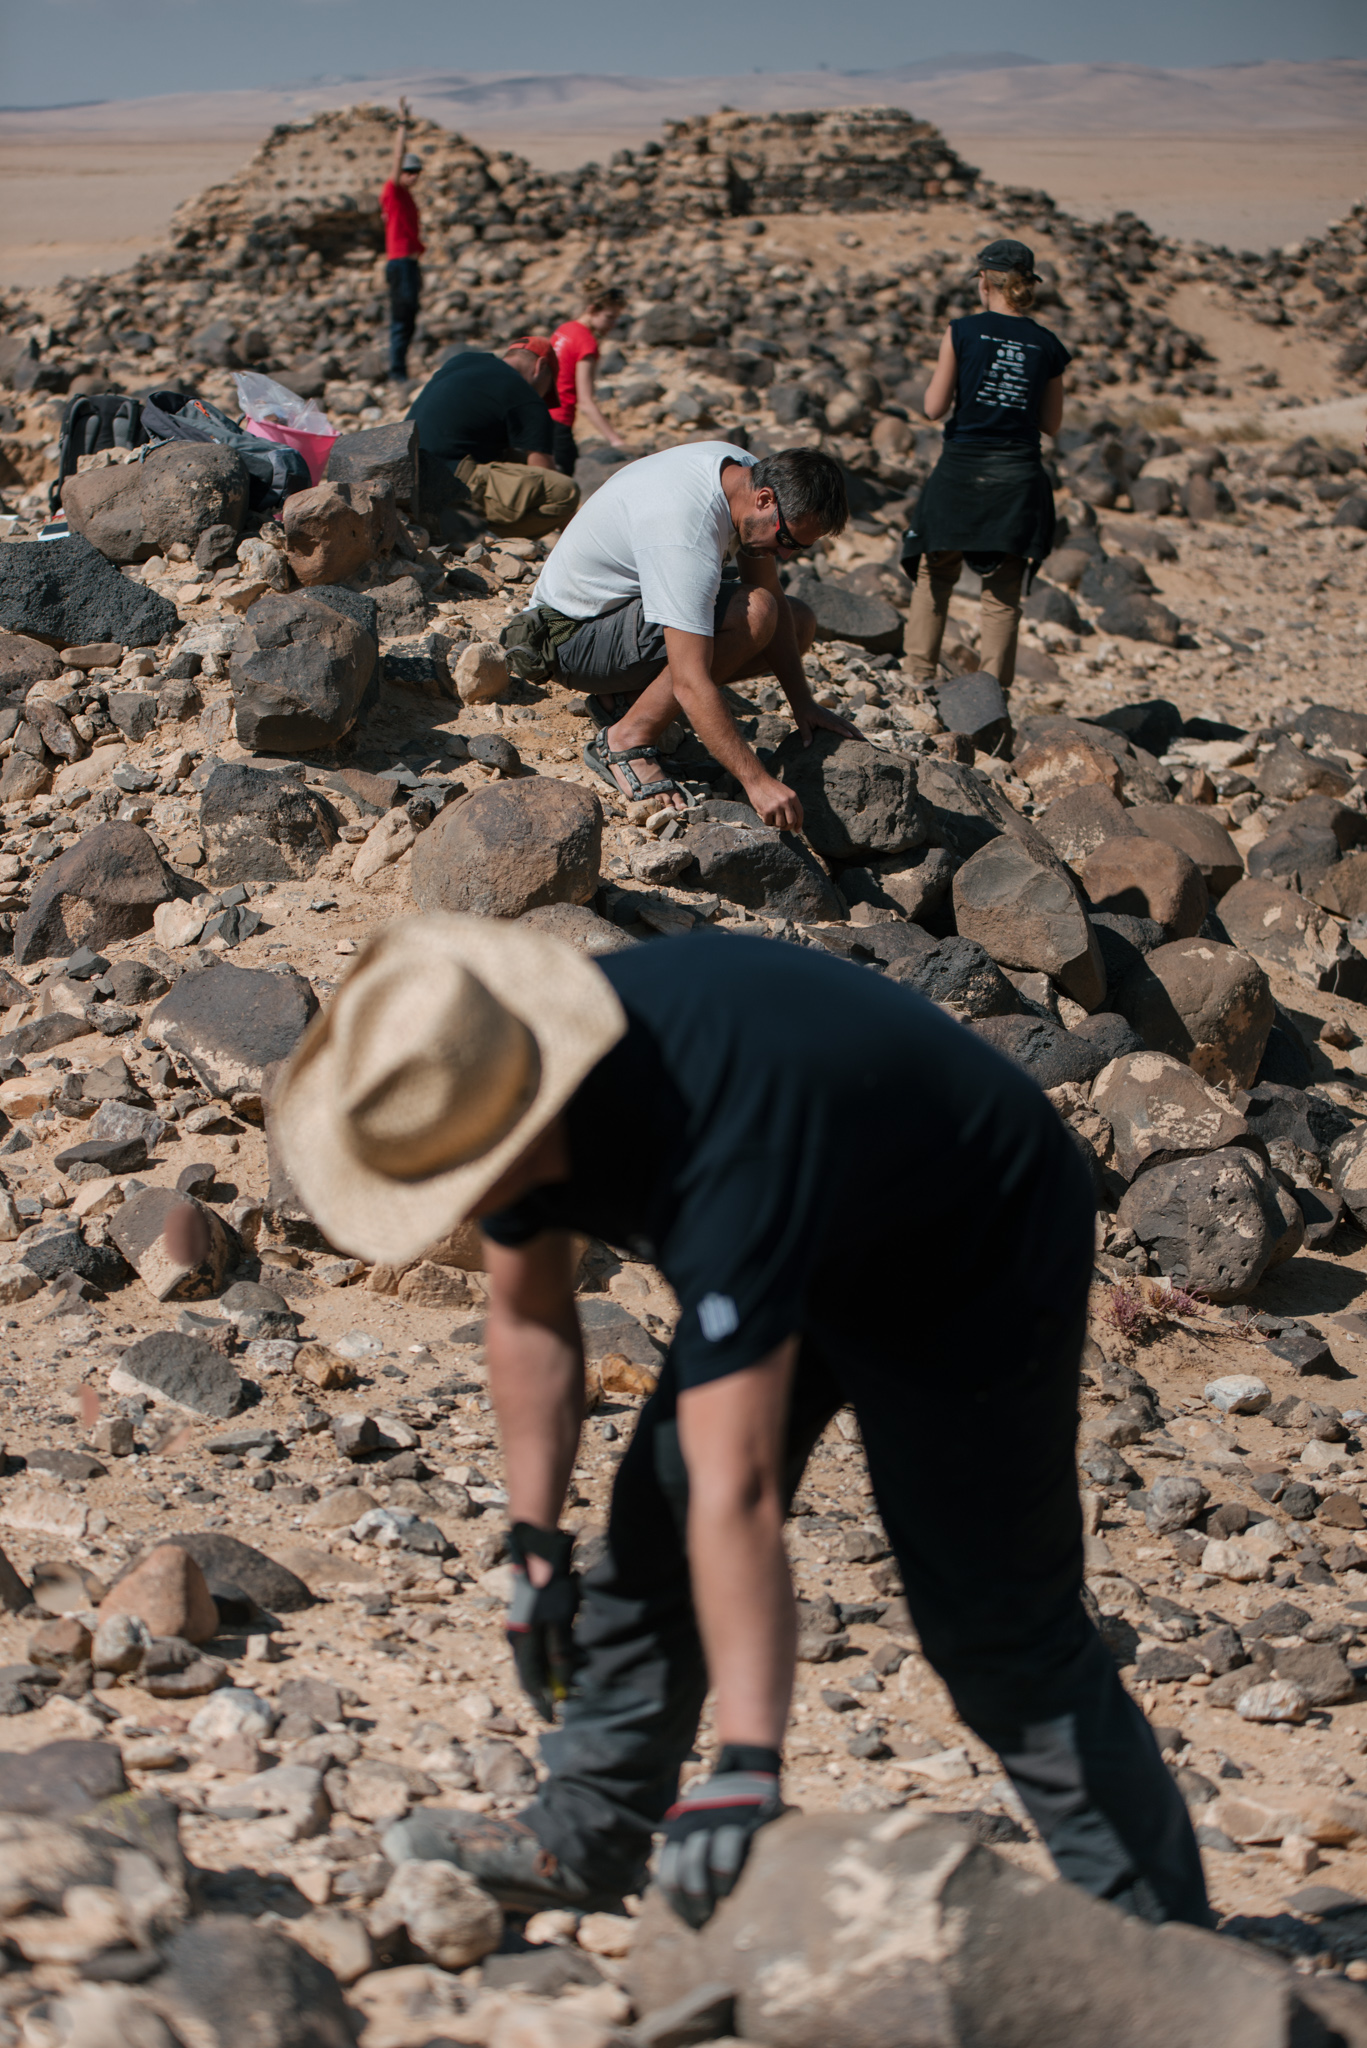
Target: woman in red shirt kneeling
<point>576,348</point>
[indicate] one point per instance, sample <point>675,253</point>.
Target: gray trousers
<point>995,1595</point>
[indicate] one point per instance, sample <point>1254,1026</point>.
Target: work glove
<point>540,1622</point>
<point>708,1832</point>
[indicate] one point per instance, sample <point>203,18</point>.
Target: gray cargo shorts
<point>622,652</point>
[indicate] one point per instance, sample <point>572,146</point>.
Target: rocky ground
<point>252,1511</point>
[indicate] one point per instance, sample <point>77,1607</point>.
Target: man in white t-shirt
<point>634,609</point>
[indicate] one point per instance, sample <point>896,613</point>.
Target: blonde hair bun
<point>1015,287</point>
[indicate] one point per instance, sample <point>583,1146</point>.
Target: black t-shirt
<point>478,405</point>
<point>1005,360</point>
<point>801,1145</point>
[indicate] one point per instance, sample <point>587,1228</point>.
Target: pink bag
<point>315,448</point>
<point>298,422</point>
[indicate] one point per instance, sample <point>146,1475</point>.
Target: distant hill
<point>1005,92</point>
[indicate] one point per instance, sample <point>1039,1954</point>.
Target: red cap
<point>535,344</point>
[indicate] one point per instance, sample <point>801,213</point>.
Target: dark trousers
<point>970,1446</point>
<point>403,275</point>
<point>564,447</point>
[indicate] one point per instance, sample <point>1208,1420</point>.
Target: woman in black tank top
<point>989,500</point>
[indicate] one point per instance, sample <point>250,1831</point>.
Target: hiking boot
<point>504,1857</point>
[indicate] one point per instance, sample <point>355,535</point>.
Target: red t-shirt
<point>573,344</point>
<point>400,210</point>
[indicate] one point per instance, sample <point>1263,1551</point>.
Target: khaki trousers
<point>518,501</point>
<point>936,576</point>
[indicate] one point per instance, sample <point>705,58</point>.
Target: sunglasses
<point>782,534</point>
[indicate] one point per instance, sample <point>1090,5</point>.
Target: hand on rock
<point>708,1834</point>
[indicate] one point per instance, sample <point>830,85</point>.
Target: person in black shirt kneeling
<point>989,501</point>
<point>857,1203</point>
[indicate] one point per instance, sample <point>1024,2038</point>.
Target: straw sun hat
<point>448,1048</point>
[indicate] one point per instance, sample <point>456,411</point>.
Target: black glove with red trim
<point>540,1624</point>
<point>708,1832</point>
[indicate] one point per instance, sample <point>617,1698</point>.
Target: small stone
<point>1174,1502</point>
<point>338,1940</point>
<point>1140,877</point>
<point>57,1645</point>
<point>1027,914</point>
<point>446,1915</point>
<point>1277,1700</point>
<point>1058,767</point>
<point>167,1590</point>
<point>1159,1110</point>
<point>511,847</point>
<point>181,1371</point>
<point>387,841</point>
<point>291,1794</point>
<point>856,798</point>
<point>501,1768</point>
<point>1319,1670</point>
<point>300,670</point>
<point>227,1981</point>
<point>120,1642</point>
<point>763,870</point>
<point>1285,930</point>
<point>106,887</point>
<point>1193,832</point>
<point>230,1024</point>
<point>135,510</point>
<point>234,1711</point>
<point>1238,1394</point>
<point>481,673</point>
<point>606,1934</point>
<point>177,1246</point>
<point>259,826</point>
<point>68,595</point>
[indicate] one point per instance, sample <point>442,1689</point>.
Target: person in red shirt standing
<point>576,348</point>
<point>403,246</point>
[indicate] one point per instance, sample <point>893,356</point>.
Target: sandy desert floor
<point>89,195</point>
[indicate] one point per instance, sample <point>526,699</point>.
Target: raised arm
<point>401,142</point>
<point>940,390</point>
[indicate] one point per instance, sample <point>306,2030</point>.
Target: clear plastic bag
<point>273,404</point>
<point>278,414</point>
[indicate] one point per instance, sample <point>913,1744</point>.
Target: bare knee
<point>804,623</point>
<point>754,613</point>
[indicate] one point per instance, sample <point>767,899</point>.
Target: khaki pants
<point>518,501</point>
<point>936,576</point>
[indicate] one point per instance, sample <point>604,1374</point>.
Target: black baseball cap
<point>1006,255</point>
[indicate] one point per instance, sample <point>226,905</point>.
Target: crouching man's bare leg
<point>762,633</point>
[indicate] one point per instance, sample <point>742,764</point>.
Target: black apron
<point>983,503</point>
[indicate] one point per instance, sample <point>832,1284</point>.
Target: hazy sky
<point>61,51</point>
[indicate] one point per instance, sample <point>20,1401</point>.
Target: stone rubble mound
<point>251,1498</point>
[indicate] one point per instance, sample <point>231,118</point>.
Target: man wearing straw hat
<point>856,1202</point>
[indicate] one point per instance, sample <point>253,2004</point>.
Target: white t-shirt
<point>659,529</point>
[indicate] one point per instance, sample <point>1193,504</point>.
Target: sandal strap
<point>640,792</point>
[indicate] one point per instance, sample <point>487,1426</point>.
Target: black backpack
<point>111,420</point>
<point>274,471</point>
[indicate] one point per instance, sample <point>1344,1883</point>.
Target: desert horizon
<point>1252,156</point>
